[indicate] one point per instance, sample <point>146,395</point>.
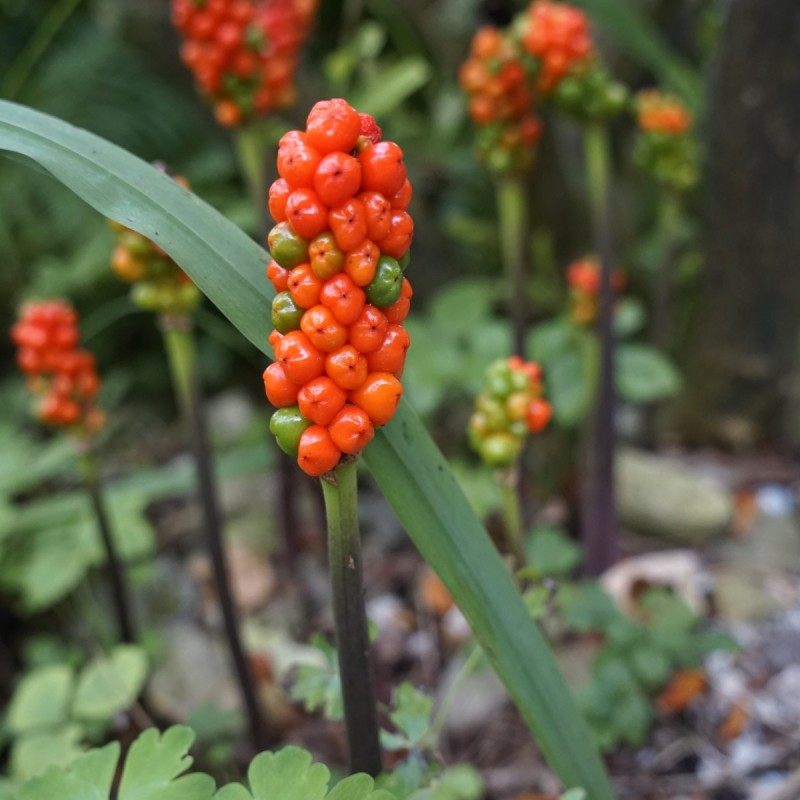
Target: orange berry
<point>348,222</point>
<point>338,178</point>
<point>538,415</point>
<point>280,391</point>
<point>391,355</point>
<point>279,277</point>
<point>368,331</point>
<point>322,329</point>
<point>344,298</point>
<point>361,262</point>
<point>382,168</point>
<point>304,286</point>
<point>400,235</point>
<point>378,212</point>
<point>306,213</point>
<point>402,199</point>
<point>297,161</point>
<point>317,454</point>
<point>301,361</point>
<point>333,125</point>
<point>325,257</point>
<point>379,396</point>
<point>346,367</point>
<point>351,429</point>
<point>278,195</point>
<point>321,400</point>
<point>398,311</point>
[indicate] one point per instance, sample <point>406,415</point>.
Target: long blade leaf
<point>408,467</point>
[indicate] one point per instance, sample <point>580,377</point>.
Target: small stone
<point>662,497</point>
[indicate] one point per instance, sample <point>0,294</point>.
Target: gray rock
<point>194,669</point>
<point>661,497</point>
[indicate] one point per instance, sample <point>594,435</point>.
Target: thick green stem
<point>116,570</point>
<point>512,514</point>
<point>252,144</point>
<point>599,516</point>
<point>179,344</point>
<point>352,638</point>
<point>512,207</point>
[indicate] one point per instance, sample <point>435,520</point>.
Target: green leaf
<point>152,769</point>
<point>407,466</point>
<point>33,753</point>
<point>388,87</point>
<point>460,782</point>
<point>154,764</point>
<point>320,688</point>
<point>550,553</point>
<point>549,340</point>
<point>290,775</point>
<point>412,713</point>
<point>644,375</point>
<point>42,699</point>
<point>571,379</point>
<point>110,684</point>
<point>574,794</point>
<point>629,316</point>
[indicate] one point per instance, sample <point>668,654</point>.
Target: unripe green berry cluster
<point>510,407</point>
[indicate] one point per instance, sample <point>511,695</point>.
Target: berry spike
<point>340,250</point>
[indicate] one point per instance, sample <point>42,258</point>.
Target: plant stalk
<point>116,569</point>
<point>352,638</point>
<point>180,348</point>
<point>512,514</point>
<point>599,513</point>
<point>512,207</point>
<point>668,219</point>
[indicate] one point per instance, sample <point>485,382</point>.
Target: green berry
<point>501,449</point>
<point>286,314</point>
<point>286,247</point>
<point>385,287</point>
<point>287,426</point>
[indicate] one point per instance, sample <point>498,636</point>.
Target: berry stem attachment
<point>599,513</point>
<point>116,570</point>
<point>512,205</point>
<point>352,639</point>
<point>180,347</point>
<point>512,514</point>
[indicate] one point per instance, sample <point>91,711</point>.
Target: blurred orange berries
<point>662,113</point>
<point>500,102</point>
<point>61,377</point>
<point>558,35</point>
<point>244,53</point>
<point>583,278</point>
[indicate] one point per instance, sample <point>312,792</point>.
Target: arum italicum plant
<point>64,384</point>
<point>416,480</point>
<point>339,250</point>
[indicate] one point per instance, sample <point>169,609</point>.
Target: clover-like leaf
<point>110,683</point>
<point>153,771</point>
<point>290,775</point>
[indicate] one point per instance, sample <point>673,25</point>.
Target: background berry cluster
<point>339,250</point>
<point>61,376</point>
<point>244,53</point>
<point>510,407</point>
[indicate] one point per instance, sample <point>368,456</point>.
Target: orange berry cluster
<point>244,53</point>
<point>665,146</point>
<point>661,113</point>
<point>500,102</point>
<point>61,376</point>
<point>558,35</point>
<point>510,407</point>
<point>339,250</point>
<point>583,277</point>
<point>159,284</point>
